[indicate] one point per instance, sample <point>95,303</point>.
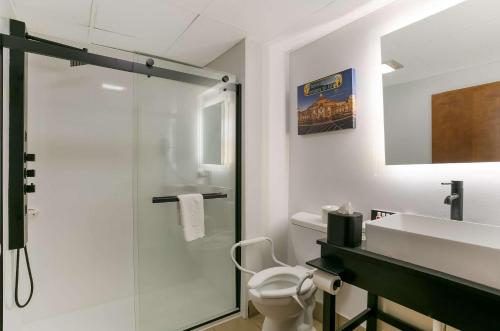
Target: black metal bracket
<point>357,320</point>
<point>42,40</point>
<point>53,49</point>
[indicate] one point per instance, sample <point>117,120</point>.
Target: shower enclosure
<point>116,139</point>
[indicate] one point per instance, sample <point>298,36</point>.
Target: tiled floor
<point>251,324</point>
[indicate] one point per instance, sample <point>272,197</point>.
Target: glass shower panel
<point>181,284</point>
<point>81,237</point>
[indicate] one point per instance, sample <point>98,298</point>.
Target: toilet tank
<point>305,228</point>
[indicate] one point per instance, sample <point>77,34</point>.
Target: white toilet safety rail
<point>308,275</point>
<point>257,240</point>
<point>248,242</point>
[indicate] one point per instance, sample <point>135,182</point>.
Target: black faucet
<point>456,200</point>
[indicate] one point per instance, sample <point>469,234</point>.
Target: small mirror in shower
<point>213,133</point>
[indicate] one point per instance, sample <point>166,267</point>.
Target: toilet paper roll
<point>327,282</point>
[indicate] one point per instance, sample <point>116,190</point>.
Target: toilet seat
<point>279,282</point>
<point>274,294</point>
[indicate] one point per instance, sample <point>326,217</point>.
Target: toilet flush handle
<point>253,241</point>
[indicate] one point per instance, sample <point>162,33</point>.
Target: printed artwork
<point>327,104</point>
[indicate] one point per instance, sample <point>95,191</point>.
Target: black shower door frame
<point>34,45</point>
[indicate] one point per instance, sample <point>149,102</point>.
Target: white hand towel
<point>192,216</point>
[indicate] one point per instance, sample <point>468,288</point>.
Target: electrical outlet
<point>381,213</point>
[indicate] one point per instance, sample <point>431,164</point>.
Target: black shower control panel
<point>18,185</point>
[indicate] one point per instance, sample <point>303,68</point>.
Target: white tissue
<point>325,281</point>
<point>346,209</point>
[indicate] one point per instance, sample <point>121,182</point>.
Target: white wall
<point>275,108</point>
<point>357,156</point>
<point>245,61</point>
<point>349,165</point>
<point>408,111</point>
<point>6,9</point>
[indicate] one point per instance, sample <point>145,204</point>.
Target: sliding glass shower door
<point>186,143</point>
<point>114,148</point>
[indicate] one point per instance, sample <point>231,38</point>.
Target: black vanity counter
<point>455,301</point>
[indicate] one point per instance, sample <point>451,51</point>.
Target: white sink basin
<point>464,249</point>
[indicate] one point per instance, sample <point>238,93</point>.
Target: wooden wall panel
<point>466,125</point>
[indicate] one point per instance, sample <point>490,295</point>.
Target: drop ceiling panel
<point>193,46</point>
<point>155,21</point>
<point>58,29</point>
<point>192,31</point>
<point>263,19</point>
<point>195,6</point>
<point>123,42</point>
<point>68,11</point>
<point>110,39</point>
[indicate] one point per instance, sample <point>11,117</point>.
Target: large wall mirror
<point>441,81</point>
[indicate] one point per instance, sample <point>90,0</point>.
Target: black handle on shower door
<point>174,198</point>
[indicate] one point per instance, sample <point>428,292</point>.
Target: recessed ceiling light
<point>112,87</point>
<point>390,66</point>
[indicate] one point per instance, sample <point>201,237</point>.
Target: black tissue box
<point>344,230</point>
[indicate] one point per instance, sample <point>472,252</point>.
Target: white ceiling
<point>191,31</point>
<point>445,42</point>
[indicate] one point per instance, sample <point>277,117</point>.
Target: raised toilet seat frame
<point>257,240</point>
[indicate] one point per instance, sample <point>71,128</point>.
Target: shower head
<point>76,63</point>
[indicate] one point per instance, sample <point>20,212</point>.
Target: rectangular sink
<point>463,249</point>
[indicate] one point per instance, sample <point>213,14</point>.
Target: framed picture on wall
<point>327,104</point>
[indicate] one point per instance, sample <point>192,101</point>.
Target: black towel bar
<point>173,198</point>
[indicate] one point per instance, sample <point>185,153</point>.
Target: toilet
<point>304,230</point>
<point>283,294</point>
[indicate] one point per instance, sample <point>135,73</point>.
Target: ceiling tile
<point>68,11</point>
<point>195,6</point>
<point>127,43</point>
<point>154,20</point>
<point>110,39</point>
<point>204,41</point>
<point>263,19</point>
<point>58,29</point>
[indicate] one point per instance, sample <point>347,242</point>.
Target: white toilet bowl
<point>274,293</point>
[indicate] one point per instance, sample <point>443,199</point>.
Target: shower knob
<point>29,173</point>
<point>30,188</point>
<point>29,157</point>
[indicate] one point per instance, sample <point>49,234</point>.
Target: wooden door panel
<point>466,125</point>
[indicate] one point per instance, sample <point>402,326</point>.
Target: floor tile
<point>252,324</point>
<point>238,324</point>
